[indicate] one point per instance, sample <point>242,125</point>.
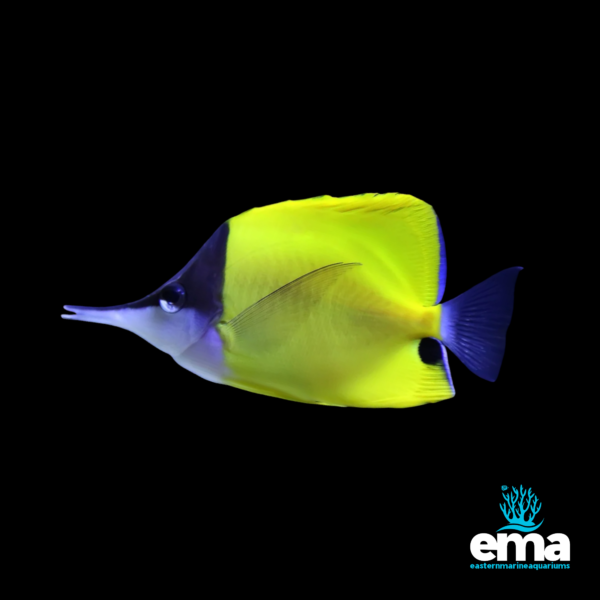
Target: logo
<point>520,509</point>
<point>516,511</point>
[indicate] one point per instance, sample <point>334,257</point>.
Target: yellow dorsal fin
<point>401,231</point>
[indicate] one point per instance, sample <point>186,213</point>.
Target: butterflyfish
<point>333,301</point>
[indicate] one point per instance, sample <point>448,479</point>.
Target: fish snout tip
<point>70,309</point>
<point>88,314</point>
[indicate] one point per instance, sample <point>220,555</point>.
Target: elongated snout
<point>142,317</point>
<point>109,315</point>
<point>171,332</point>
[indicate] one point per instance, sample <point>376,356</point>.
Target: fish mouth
<point>107,315</point>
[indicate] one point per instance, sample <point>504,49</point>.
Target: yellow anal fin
<point>405,380</point>
<point>268,391</point>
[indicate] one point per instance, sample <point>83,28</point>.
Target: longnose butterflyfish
<point>333,301</point>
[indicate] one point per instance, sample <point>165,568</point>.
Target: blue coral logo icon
<point>516,511</point>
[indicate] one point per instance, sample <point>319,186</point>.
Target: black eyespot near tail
<point>431,351</point>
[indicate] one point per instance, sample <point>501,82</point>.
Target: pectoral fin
<point>274,318</point>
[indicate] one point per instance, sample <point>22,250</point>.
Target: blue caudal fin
<point>474,324</point>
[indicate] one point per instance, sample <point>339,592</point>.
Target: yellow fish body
<point>325,301</point>
<point>351,337</point>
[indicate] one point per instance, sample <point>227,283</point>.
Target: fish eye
<point>172,297</point>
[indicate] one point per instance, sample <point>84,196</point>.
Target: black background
<point>152,466</point>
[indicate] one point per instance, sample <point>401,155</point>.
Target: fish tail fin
<point>474,324</point>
